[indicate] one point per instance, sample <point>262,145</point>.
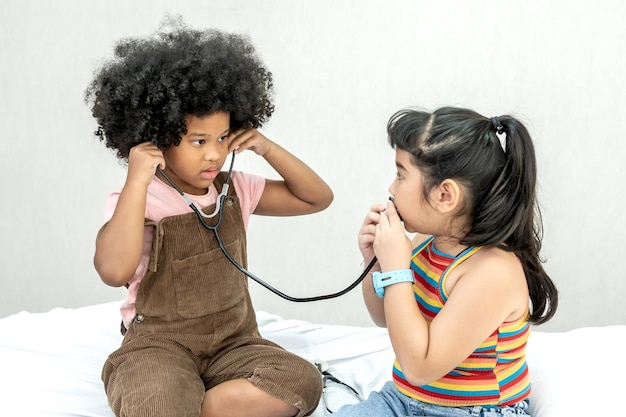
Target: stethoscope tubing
<point>249,274</point>
<point>265,284</point>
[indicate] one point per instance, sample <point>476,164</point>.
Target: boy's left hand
<point>391,244</point>
<point>251,139</point>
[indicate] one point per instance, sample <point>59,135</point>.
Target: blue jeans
<point>389,402</point>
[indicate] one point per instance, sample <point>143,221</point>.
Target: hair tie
<point>500,133</point>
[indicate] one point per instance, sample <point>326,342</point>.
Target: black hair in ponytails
<point>494,161</point>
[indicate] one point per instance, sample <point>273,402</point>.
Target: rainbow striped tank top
<point>495,374</point>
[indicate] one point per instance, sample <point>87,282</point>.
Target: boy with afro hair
<point>173,106</point>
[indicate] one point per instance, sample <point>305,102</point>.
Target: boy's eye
<point>223,138</point>
<point>199,141</point>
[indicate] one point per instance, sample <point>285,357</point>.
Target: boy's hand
<point>249,139</point>
<point>143,161</point>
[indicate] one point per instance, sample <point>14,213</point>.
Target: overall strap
<point>219,183</point>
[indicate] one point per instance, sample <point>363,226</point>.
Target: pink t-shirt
<point>164,201</point>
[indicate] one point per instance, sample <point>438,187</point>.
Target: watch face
<point>378,288</point>
<point>380,291</point>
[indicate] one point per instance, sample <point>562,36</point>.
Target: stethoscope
<point>322,367</point>
<point>219,212</point>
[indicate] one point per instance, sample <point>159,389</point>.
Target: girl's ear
<point>448,197</point>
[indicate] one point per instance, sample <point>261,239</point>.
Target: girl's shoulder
<point>496,255</point>
<point>497,269</point>
<point>492,262</point>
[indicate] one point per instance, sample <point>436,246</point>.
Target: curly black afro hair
<point>145,92</point>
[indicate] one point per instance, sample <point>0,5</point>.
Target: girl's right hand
<point>368,232</point>
<point>143,161</point>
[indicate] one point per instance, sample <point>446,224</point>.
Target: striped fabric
<point>495,374</point>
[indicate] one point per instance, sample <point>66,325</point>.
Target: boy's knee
<point>298,382</point>
<point>138,389</point>
<point>312,386</point>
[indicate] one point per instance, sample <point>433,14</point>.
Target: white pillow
<point>577,373</point>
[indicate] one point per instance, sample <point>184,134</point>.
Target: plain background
<point>341,68</point>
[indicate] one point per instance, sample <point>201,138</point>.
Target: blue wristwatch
<point>382,279</point>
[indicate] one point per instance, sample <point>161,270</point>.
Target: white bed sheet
<point>50,362</point>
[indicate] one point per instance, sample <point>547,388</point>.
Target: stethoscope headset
<point>218,211</point>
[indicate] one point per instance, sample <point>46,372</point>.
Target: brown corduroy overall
<point>196,328</point>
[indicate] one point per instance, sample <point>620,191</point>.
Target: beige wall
<point>341,69</point>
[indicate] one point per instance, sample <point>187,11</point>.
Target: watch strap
<point>383,279</point>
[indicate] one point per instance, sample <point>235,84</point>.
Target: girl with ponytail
<point>459,297</point>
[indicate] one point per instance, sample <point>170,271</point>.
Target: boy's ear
<point>448,197</point>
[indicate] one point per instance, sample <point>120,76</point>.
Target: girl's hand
<point>251,139</point>
<point>368,232</point>
<point>391,244</point>
<point>143,161</point>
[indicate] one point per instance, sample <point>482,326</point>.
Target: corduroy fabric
<point>196,327</point>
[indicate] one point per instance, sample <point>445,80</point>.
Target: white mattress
<point>50,363</point>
